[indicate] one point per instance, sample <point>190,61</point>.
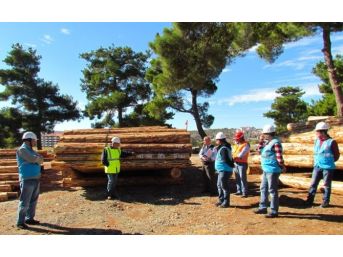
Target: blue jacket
<point>323,155</point>
<point>269,161</point>
<point>28,163</point>
<point>220,164</point>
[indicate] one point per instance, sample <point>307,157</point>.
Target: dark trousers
<point>223,187</point>
<point>317,175</point>
<point>209,178</point>
<point>111,185</point>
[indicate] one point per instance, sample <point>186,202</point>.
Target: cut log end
<point>175,173</point>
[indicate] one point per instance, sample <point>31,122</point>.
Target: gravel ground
<point>173,209</point>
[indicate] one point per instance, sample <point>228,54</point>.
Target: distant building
<point>50,140</point>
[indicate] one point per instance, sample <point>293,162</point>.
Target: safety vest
<point>26,169</point>
<point>113,157</point>
<point>269,161</point>
<point>220,164</point>
<point>237,149</point>
<point>323,155</point>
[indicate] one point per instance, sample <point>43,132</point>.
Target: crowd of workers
<point>219,164</point>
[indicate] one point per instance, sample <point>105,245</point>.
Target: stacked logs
<point>78,153</point>
<point>9,178</point>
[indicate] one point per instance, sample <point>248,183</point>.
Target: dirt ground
<point>173,209</point>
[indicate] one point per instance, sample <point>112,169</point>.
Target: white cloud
<point>337,50</point>
<point>65,31</point>
<point>303,42</point>
<point>31,45</point>
<point>47,39</point>
<point>226,70</point>
<point>263,94</point>
<point>297,63</point>
<point>335,38</point>
<point>253,49</point>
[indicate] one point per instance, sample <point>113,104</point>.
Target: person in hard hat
<point>110,158</point>
<point>206,157</point>
<point>240,153</point>
<point>29,168</point>
<point>326,153</point>
<point>224,167</point>
<point>272,164</point>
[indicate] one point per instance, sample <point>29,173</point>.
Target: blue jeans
<point>111,184</point>
<point>317,174</point>
<point>28,200</point>
<point>223,187</point>
<point>241,178</point>
<point>270,186</point>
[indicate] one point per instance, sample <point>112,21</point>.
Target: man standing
<point>272,164</point>
<point>29,167</point>
<point>209,176</point>
<point>224,167</point>
<point>110,158</point>
<point>240,155</point>
<point>326,153</point>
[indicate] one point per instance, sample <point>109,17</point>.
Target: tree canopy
<point>287,108</point>
<point>39,103</point>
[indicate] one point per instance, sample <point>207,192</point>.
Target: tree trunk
<point>39,141</point>
<point>195,113</point>
<point>336,88</point>
<point>120,117</point>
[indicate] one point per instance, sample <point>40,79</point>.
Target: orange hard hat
<point>238,135</point>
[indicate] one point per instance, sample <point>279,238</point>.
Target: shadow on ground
<point>324,217</point>
<point>47,228</point>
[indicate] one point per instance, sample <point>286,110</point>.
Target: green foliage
<point>38,102</point>
<point>114,80</point>
<point>190,58</point>
<point>326,105</point>
<point>10,124</point>
<point>287,108</point>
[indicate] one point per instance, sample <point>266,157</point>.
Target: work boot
<point>244,196</point>
<point>324,205</point>
<point>32,222</point>
<point>218,204</point>
<point>260,211</point>
<point>309,201</point>
<point>237,193</point>
<point>22,226</point>
<point>224,205</point>
<point>272,215</point>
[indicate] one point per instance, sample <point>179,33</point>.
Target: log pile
<point>304,183</point>
<point>9,178</point>
<point>78,153</point>
<point>298,146</point>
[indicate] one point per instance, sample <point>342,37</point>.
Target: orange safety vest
<point>237,149</point>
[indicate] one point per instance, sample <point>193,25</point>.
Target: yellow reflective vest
<point>113,157</point>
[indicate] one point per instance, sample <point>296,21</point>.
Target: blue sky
<point>246,88</point>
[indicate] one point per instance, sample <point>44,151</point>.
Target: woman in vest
<point>29,166</point>
<point>326,153</point>
<point>224,167</point>
<point>272,164</point>
<point>111,160</point>
<point>240,155</point>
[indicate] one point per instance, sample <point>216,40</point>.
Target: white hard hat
<point>322,126</point>
<point>268,129</point>
<point>220,135</point>
<point>115,140</point>
<point>29,135</point>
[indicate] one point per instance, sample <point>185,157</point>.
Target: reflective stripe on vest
<point>323,155</point>
<point>113,157</point>
<point>237,149</point>
<point>269,161</point>
<point>220,164</point>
